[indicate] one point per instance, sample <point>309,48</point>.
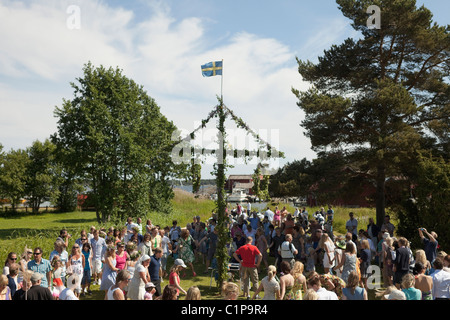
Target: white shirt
<point>250,234</point>
<point>352,223</point>
<point>67,294</point>
<point>441,284</point>
<point>324,294</point>
<point>269,214</point>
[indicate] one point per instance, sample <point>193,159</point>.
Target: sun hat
<point>150,285</point>
<point>341,244</point>
<point>386,235</point>
<point>395,295</point>
<point>180,262</point>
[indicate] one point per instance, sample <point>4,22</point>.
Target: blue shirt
<point>43,268</point>
<point>153,268</point>
<point>412,294</point>
<point>98,248</point>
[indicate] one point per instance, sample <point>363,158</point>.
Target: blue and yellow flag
<point>212,69</point>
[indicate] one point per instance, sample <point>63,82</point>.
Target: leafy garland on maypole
<point>221,111</point>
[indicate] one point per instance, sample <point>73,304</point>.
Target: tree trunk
<point>380,194</point>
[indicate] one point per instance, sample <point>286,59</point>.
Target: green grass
<point>26,229</point>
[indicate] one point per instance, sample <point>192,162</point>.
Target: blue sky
<point>161,45</point>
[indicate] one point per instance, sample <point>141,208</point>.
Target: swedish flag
<point>212,69</point>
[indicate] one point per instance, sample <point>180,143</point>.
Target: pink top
<point>121,262</point>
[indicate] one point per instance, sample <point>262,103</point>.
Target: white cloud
<point>161,53</point>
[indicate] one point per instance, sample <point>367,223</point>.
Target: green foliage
<point>374,97</point>
<point>13,173</point>
<point>113,135</point>
<point>429,206</point>
<point>41,174</point>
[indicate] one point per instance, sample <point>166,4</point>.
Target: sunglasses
<point>37,253</point>
<point>12,258</point>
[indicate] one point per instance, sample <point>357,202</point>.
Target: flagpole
<point>221,84</point>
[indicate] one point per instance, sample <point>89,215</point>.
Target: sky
<point>161,45</point>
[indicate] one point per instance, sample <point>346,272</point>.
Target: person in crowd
<point>98,245</point>
<point>155,238</point>
<point>423,282</point>
<point>5,291</point>
<point>269,214</point>
<point>408,288</point>
<point>141,276</point>
<point>381,293</point>
<point>174,275</point>
<point>57,282</point>
<point>365,258</point>
<point>441,281</point>
<point>352,226</point>
<point>395,295</point>
<point>41,266</point>
<point>121,256</point>
<point>169,293</point>
<point>372,231</point>
<point>277,240</point>
<point>69,293</point>
<point>286,282</point>
<point>230,291</point>
<point>300,283</point>
<point>298,240</point>
<point>287,251</point>
<point>250,258</point>
<point>327,245</point>
<point>21,294</point>
<point>315,283</point>
<point>186,248</point>
<point>401,262</point>
<point>199,234</point>
<point>154,270</point>
<point>387,226</point>
<point>193,293</point>
<point>339,254</point>
<point>430,243</point>
<point>352,291</point>
<point>116,291</point>
<point>269,285</point>
<point>348,262</point>
<point>149,226</point>
<point>64,236</point>
<point>446,262</point>
<point>387,258</point>
<point>145,247</point>
<point>332,283</point>
<point>310,294</point>
<point>166,245</point>
<point>87,272</point>
<point>10,259</point>
<point>23,263</point>
<point>422,258</point>
<point>149,291</point>
<point>76,265</point>
<point>261,244</point>
<point>109,272</point>
<point>289,224</point>
<point>13,284</point>
<point>37,290</point>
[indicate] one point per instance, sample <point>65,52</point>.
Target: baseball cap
<point>180,262</point>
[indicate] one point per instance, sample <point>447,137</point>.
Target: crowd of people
<point>310,261</point>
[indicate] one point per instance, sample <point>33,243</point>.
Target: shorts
<point>97,266</point>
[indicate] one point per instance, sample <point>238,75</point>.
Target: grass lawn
<point>42,229</point>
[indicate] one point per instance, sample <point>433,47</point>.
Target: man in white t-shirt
<point>269,214</point>
<point>352,226</point>
<point>324,294</point>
